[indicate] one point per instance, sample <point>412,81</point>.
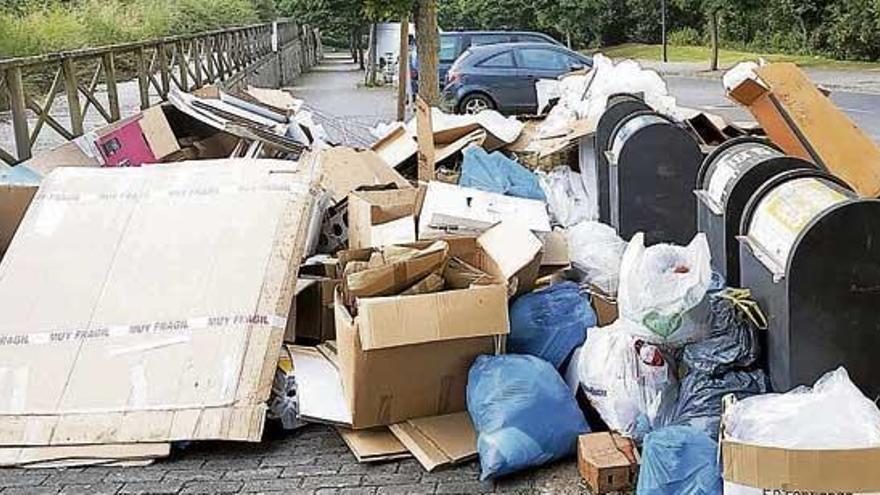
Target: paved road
<point>707,94</point>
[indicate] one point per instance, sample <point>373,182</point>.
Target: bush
<point>685,37</point>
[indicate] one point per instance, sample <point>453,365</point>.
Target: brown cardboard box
<point>168,320</point>
<point>381,218</point>
<point>608,462</point>
<point>604,305</point>
<point>406,357</point>
<point>17,187</point>
<point>312,319</point>
<point>804,122</point>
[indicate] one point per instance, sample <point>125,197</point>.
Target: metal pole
<point>663,29</point>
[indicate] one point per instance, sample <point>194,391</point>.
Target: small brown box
<point>608,462</point>
<point>604,305</point>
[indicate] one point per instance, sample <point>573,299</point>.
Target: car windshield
<point>448,48</point>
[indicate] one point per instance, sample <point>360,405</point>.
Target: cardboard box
<point>17,188</point>
<point>147,305</point>
<point>804,122</point>
<point>406,357</point>
<point>312,318</point>
<point>381,218</point>
<point>608,462</point>
<point>604,305</point>
<point>343,170</point>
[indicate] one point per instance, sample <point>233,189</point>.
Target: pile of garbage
<point>217,261</point>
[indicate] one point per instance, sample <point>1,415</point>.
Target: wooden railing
<point>189,62</point>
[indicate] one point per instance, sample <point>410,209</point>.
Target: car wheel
<point>475,103</point>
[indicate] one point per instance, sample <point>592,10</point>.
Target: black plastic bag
<point>700,394</point>
<point>733,337</point>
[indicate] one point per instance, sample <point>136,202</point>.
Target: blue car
<point>502,77</point>
<point>454,43</point>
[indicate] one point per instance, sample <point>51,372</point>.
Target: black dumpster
<point>653,165</point>
<point>619,107</point>
<point>727,179</point>
<point>810,253</point>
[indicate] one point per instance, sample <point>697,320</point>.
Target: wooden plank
<point>182,68</point>
<point>164,71</point>
<point>74,109</point>
<point>19,113</point>
<point>109,62</point>
<point>196,55</point>
<point>425,139</point>
<point>143,78</point>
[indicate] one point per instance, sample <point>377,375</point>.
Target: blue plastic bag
<point>498,174</point>
<point>679,460</point>
<point>523,413</point>
<point>550,323</point>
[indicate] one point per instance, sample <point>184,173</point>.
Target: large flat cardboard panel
<point>319,388</point>
<point>438,441</point>
<point>345,169</point>
<point>805,471</point>
<point>373,445</point>
<point>425,135</point>
<point>171,292</point>
<point>387,386</point>
<point>396,147</point>
<point>67,155</point>
<point>71,455</point>
<point>158,132</point>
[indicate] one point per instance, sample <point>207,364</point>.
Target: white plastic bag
<point>663,289</point>
<point>625,378</point>
<point>567,198</point>
<point>833,414</point>
<point>596,250</point>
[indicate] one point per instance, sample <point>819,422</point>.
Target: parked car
<point>454,43</point>
<point>502,77</point>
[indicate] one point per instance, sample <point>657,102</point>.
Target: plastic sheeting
<point>663,289</point>
<point>498,174</point>
<point>567,198</point>
<point>700,394</point>
<point>679,460</point>
<point>523,413</point>
<point>733,335</point>
<point>550,322</point>
<point>596,250</point>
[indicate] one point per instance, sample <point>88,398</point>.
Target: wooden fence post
<point>72,90</point>
<point>19,113</point>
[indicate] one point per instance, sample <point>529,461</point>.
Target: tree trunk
<point>371,57</point>
<point>403,69</point>
<point>428,49</point>
<point>568,38</point>
<point>713,28</point>
<point>352,47</point>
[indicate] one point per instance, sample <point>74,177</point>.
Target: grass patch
<point>727,58</point>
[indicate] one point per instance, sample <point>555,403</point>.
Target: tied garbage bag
<point>596,250</point>
<point>550,322</point>
<point>523,413</point>
<point>663,289</point>
<point>832,415</point>
<point>679,460</point>
<point>498,174</point>
<point>700,395</point>
<point>732,341</point>
<point>630,382</point>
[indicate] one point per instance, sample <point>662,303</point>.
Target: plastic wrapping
<point>679,460</point>
<point>523,413</point>
<point>733,336</point>
<point>596,250</point>
<point>550,322</point>
<point>628,381</point>
<point>496,173</point>
<point>567,198</point>
<point>700,394</point>
<point>834,414</point>
<point>663,289</point>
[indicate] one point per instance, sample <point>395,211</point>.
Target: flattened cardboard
<point>396,147</point>
<point>67,155</point>
<point>425,141</point>
<point>381,218</point>
<point>318,387</point>
<point>80,455</point>
<point>17,188</point>
<point>445,151</point>
<point>463,211</point>
<point>177,281</point>
<point>804,471</point>
<point>799,118</point>
<point>555,253</point>
<point>345,169</point>
<point>158,133</point>
<point>396,274</point>
<point>608,462</point>
<point>373,445</point>
<point>438,441</point>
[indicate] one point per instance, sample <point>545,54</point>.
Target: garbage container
<point>653,165</point>
<point>619,107</point>
<point>810,253</point>
<point>727,179</point>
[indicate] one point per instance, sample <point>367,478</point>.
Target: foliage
<point>685,37</point>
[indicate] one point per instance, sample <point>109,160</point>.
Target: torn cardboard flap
<point>318,387</point>
<point>381,218</point>
<point>510,247</point>
<point>209,251</point>
<point>396,273</point>
<point>397,146</point>
<point>374,444</point>
<point>438,441</point>
<point>805,471</point>
<point>343,170</point>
